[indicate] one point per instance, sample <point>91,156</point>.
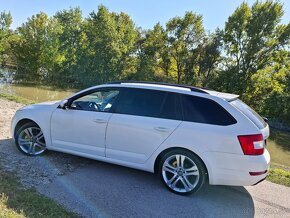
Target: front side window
<point>141,102</point>
<point>203,110</point>
<point>97,101</point>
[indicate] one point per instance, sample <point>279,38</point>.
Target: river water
<point>34,93</point>
<point>30,92</point>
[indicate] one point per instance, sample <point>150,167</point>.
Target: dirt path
<point>96,189</point>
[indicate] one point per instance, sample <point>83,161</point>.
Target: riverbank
<point>33,93</point>
<point>16,99</point>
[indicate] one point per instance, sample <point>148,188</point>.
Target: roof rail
<point>192,88</point>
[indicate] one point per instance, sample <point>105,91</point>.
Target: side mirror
<point>64,104</point>
<point>265,119</point>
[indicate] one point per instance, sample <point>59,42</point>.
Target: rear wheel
<point>182,172</point>
<point>30,140</point>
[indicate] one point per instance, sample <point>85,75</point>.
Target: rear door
<point>141,121</point>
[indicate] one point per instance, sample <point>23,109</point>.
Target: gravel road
<point>95,189</point>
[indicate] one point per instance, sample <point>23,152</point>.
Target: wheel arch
<point>160,155</point>
<point>21,123</point>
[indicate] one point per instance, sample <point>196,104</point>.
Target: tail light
<point>252,144</point>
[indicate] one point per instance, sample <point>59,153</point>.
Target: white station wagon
<point>189,136</point>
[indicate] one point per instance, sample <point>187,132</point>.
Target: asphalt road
<point>104,190</point>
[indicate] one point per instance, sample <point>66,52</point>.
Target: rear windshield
<point>250,113</point>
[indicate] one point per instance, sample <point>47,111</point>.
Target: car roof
<point>163,85</point>
<point>185,89</point>
<point>223,95</point>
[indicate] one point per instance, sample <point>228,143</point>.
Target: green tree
<point>203,61</point>
<point>71,22</point>
<point>109,52</point>
<point>276,103</point>
<point>184,36</point>
<point>154,61</point>
<point>253,41</point>
<point>5,33</point>
<point>36,48</point>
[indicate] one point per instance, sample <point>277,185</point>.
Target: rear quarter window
<point>203,110</point>
<point>250,113</point>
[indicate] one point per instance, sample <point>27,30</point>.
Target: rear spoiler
<point>233,99</point>
<point>226,96</point>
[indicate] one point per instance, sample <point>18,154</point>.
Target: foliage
<point>256,58</point>
<point>36,48</point>
<point>250,56</point>
<point>279,176</point>
<point>5,32</point>
<point>70,39</point>
<point>185,35</point>
<point>152,52</point>
<point>109,47</point>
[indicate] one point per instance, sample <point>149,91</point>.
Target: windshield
<point>250,113</point>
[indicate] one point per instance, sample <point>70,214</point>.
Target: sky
<point>144,13</point>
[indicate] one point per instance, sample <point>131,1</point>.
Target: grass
<point>16,98</point>
<point>279,147</point>
<point>279,176</point>
<point>15,201</point>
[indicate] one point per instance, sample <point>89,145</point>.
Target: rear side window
<point>250,113</point>
<point>202,110</point>
<point>141,102</point>
<point>172,107</point>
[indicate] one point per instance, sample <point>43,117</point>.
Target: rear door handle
<point>161,129</point>
<point>99,121</point>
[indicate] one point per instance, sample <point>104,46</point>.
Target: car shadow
<point>94,188</point>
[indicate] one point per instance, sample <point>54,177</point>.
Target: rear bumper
<point>234,169</point>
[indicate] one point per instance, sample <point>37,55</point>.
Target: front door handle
<point>99,121</point>
<point>161,129</point>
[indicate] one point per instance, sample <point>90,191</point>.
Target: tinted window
<point>202,110</point>
<point>97,101</point>
<point>141,102</point>
<point>172,107</point>
<point>250,113</point>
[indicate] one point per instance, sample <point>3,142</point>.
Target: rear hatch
<point>246,110</point>
<point>252,115</point>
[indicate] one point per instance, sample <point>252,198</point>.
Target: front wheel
<point>30,140</point>
<point>182,172</point>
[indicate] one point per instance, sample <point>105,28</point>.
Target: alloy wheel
<point>180,173</point>
<point>31,141</point>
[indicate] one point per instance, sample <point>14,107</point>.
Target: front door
<point>82,126</point>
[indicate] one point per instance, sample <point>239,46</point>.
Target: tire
<point>182,172</point>
<point>30,140</point>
